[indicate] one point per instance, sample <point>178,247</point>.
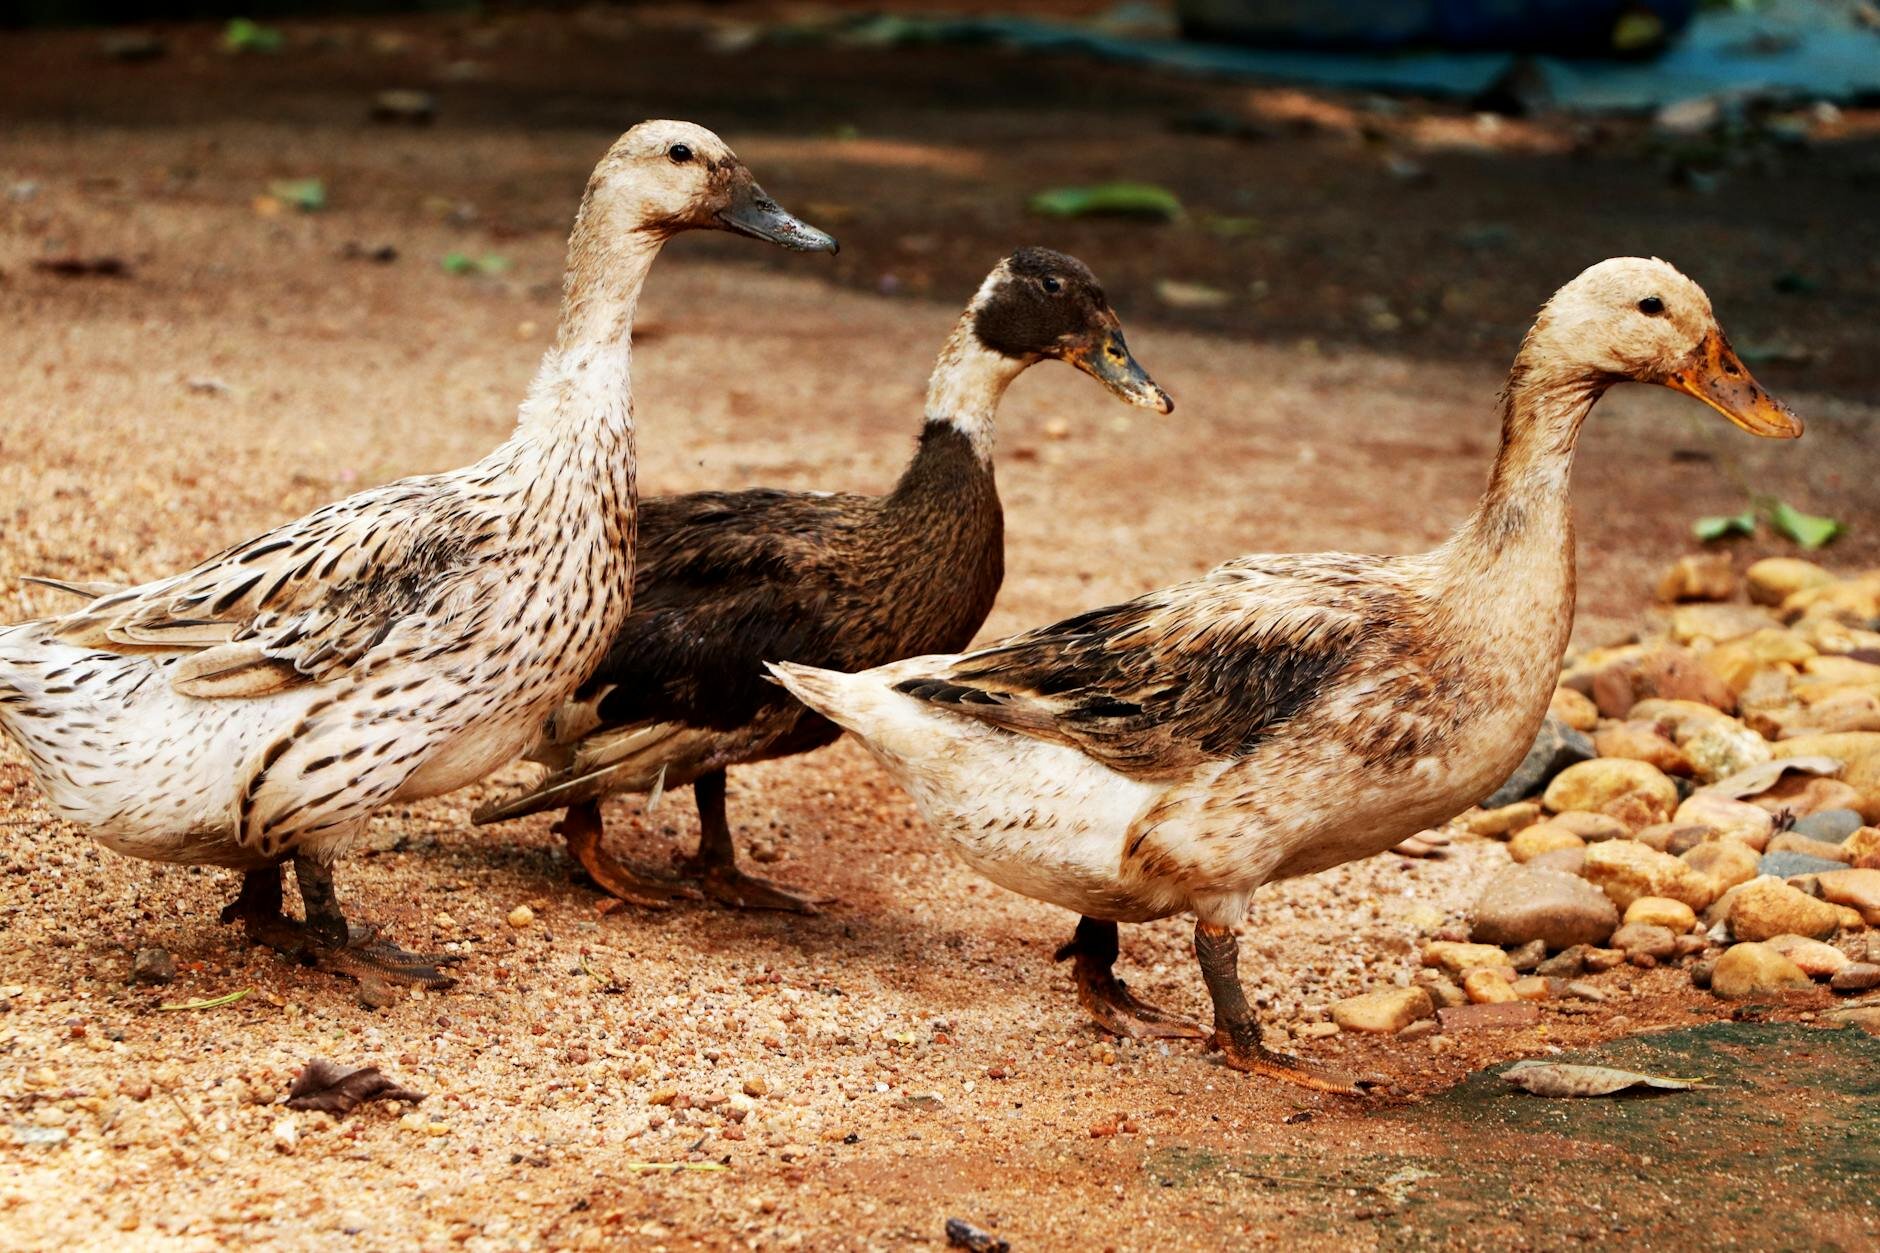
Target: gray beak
<point>1107,359</point>
<point>753,213</point>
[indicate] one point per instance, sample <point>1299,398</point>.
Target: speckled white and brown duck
<point>1283,714</point>
<point>258,709</point>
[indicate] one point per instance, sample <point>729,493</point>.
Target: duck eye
<point>680,153</point>
<point>1051,285</point>
<point>1651,306</point>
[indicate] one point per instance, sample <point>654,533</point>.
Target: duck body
<point>728,581</point>
<point>1283,714</point>
<point>1228,771</point>
<point>381,652</point>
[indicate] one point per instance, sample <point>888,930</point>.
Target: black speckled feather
<point>1147,689</point>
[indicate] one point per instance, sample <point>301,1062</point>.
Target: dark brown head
<point>1038,303</point>
<point>663,177</point>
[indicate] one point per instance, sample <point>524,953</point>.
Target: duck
<point>1281,715</point>
<point>255,710</point>
<point>728,580</point>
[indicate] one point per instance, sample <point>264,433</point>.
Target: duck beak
<point>1105,358</point>
<point>1718,377</point>
<point>752,213</point>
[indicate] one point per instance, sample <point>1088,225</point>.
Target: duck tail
<point>830,693</point>
<point>897,728</point>
<point>630,759</point>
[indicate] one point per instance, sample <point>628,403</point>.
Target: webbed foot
<point>1240,1045</point>
<point>715,865</point>
<point>1108,999</point>
<point>728,885</point>
<point>365,955</point>
<point>581,826</point>
<point>1237,1030</point>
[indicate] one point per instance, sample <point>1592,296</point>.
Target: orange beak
<point>1718,377</point>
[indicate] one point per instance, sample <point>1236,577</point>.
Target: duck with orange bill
<point>1281,715</point>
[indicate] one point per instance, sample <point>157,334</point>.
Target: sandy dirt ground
<point>854,1079</point>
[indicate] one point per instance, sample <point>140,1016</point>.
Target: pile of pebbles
<point>1702,797</point>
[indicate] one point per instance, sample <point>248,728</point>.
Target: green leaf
<point>214,1002</point>
<point>1716,528</point>
<point>1806,529</point>
<point>464,263</point>
<point>1223,227</point>
<point>243,35</point>
<point>306,194</point>
<point>1143,201</point>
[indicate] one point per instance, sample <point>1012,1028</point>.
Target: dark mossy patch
<point>1772,1153</point>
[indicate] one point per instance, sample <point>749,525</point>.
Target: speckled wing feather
<point>725,582</point>
<point>302,603</point>
<point>1196,672</point>
<point>84,591</point>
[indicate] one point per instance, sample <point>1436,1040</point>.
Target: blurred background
<point>1417,173</point>
<point>1341,185</point>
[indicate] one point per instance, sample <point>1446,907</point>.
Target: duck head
<point>663,177</point>
<point>1041,304</point>
<point>1641,319</point>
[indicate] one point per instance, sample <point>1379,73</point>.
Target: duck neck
<point>1514,557</point>
<point>577,421</point>
<point>1542,410</point>
<point>967,383</point>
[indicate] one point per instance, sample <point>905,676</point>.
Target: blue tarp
<point>1804,49</point>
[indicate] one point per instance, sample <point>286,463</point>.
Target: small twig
<point>212,1003</point>
<point>699,1166</point>
<point>184,1111</point>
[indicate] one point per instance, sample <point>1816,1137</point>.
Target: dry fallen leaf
<point>1758,779</point>
<point>333,1089</point>
<point>1565,1079</point>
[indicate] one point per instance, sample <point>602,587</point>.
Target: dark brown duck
<point>727,581</point>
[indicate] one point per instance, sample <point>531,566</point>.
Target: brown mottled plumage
<point>729,580</point>
<point>397,644</point>
<point>1282,714</point>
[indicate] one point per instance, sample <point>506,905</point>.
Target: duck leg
<point>331,943</point>
<point>258,908</point>
<point>1093,951</point>
<point>715,865</point>
<point>582,827</point>
<point>1237,1029</point>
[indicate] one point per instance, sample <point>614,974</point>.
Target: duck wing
<point>84,591</point>
<point>303,603</point>
<point>1198,672</point>
<point>703,542</point>
<point>724,582</point>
